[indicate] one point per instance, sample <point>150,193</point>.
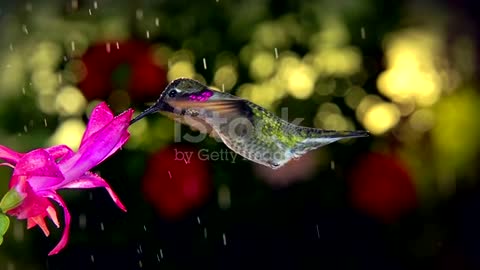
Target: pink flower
<point>38,174</point>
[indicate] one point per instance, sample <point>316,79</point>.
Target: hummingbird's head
<point>179,90</point>
<point>184,89</point>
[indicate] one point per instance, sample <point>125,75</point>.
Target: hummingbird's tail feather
<point>317,138</point>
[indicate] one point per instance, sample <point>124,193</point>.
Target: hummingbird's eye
<point>172,93</point>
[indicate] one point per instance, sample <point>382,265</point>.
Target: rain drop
<point>224,239</point>
<point>45,121</point>
<point>362,32</point>
<point>82,221</point>
<point>198,220</point>
<point>147,34</point>
<point>90,196</point>
<point>23,90</point>
<point>318,231</point>
<point>158,257</point>
<point>107,47</point>
<point>139,14</point>
<point>92,258</point>
<point>102,227</point>
<point>161,253</point>
<point>157,22</point>
<point>140,264</point>
<point>90,12</point>
<point>10,47</point>
<point>204,63</point>
<point>205,233</point>
<point>144,228</point>
<point>169,174</point>
<point>223,87</point>
<point>25,128</point>
<point>28,7</point>
<point>140,249</point>
<point>332,165</point>
<point>276,53</point>
<point>95,4</point>
<point>74,4</point>
<point>73,46</point>
<point>25,29</point>
<point>118,45</point>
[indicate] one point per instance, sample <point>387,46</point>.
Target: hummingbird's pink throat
<point>203,95</point>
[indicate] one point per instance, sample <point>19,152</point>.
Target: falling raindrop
<point>140,264</point>
<point>362,32</point>
<point>140,249</point>
<point>332,165</point>
<point>11,47</point>
<point>118,45</point>
<point>161,253</point>
<point>92,258</point>
<point>25,29</point>
<point>102,227</point>
<point>25,128</point>
<point>18,231</point>
<point>107,47</point>
<point>28,7</point>
<point>73,46</point>
<point>204,63</point>
<point>95,4</point>
<point>157,22</point>
<point>223,87</point>
<point>23,90</point>
<point>169,174</point>
<point>82,221</point>
<point>205,233</point>
<point>144,228</point>
<point>74,4</point>
<point>45,121</point>
<point>224,239</point>
<point>90,196</point>
<point>158,257</point>
<point>139,14</point>
<point>276,53</point>
<point>198,220</point>
<point>90,12</point>
<point>147,34</point>
<point>318,231</point>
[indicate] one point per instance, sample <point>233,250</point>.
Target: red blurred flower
<point>125,65</point>
<point>382,186</point>
<point>176,180</point>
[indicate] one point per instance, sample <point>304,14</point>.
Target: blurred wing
<point>222,109</point>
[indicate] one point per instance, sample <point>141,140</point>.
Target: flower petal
<point>100,117</point>
<point>38,220</point>
<point>59,152</point>
<point>9,155</point>
<point>63,241</point>
<point>32,205</point>
<point>98,147</point>
<point>91,180</point>
<point>40,169</point>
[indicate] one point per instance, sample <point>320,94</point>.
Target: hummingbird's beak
<point>159,106</point>
<point>148,111</point>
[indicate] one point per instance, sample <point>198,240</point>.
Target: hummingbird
<point>246,128</point>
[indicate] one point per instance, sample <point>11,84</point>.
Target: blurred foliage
<point>404,70</point>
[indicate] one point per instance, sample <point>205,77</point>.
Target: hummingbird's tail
<point>316,138</point>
